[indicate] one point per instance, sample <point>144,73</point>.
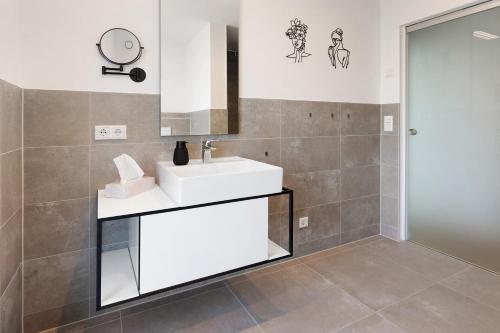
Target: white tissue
<point>128,168</point>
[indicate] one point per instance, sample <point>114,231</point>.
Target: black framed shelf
<point>118,273</point>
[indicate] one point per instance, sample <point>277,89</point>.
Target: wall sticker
<point>339,56</point>
<point>297,34</point>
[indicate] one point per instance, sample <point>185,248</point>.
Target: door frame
<point>472,8</point>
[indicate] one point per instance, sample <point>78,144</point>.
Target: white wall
<point>59,38</point>
<point>199,70</point>
<point>60,52</point>
<point>394,14</point>
<point>266,71</point>
<point>10,64</point>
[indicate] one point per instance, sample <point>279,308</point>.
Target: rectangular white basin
<point>218,180</point>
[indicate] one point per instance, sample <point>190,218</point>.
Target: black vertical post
<point>99,264</point>
<point>290,222</point>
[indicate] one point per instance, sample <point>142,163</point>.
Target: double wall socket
<point>109,132</point>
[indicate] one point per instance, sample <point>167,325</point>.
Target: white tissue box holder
<point>129,189</point>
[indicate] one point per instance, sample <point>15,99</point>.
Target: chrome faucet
<point>207,147</point>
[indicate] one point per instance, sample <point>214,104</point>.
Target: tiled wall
<point>330,153</point>
<point>389,175</point>
<point>10,208</point>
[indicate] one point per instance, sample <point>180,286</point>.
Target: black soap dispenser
<point>181,154</point>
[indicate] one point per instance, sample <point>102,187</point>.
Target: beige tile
<point>54,174</point>
<point>314,188</point>
<point>56,227</point>
<point>359,233</point>
<point>11,306</point>
<point>178,126</point>
<point>434,266</point>
<point>390,110</point>
<point>389,181</point>
<point>56,281</point>
<point>478,284</point>
<point>439,309</point>
<point>362,212</point>
<point>11,241</point>
<point>297,299</point>
<point>261,271</point>
<point>93,324</point>
<point>389,211</point>
<point>11,188</point>
<point>140,112</point>
<point>266,151</point>
<point>324,222</point>
<point>219,122</point>
<point>259,118</point>
<point>375,281</point>
<point>55,317</point>
<point>372,324</point>
<point>103,170</point>
<point>306,119</point>
<point>11,109</point>
<point>310,154</point>
<point>390,232</point>
<point>316,245</point>
<point>360,119</point>
<point>389,150</point>
<point>213,312</point>
<point>56,118</point>
<point>360,150</point>
<point>328,252</point>
<point>359,182</point>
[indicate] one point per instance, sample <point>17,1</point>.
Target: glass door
<point>454,138</point>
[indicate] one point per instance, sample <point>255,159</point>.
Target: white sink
<point>218,180</point>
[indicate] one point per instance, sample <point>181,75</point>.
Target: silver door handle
<point>413,131</point>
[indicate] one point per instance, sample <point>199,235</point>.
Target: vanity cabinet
<point>169,247</point>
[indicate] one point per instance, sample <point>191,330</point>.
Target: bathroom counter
<point>150,201</point>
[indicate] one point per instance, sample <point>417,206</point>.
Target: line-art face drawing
<point>297,33</point>
<point>338,54</point>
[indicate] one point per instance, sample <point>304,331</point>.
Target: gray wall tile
<point>314,188</point>
<point>53,282</point>
<point>389,211</point>
<point>178,126</point>
<point>389,232</point>
<point>140,112</point>
<point>359,213</point>
<point>389,150</point>
<point>56,227</point>
<point>54,174</point>
<point>259,118</point>
<point>389,181</point>
<point>357,234</point>
<point>306,119</point>
<point>324,222</point>
<point>56,118</point>
<point>310,154</point>
<point>10,185</point>
<point>10,250</point>
<point>360,150</point>
<point>11,306</point>
<point>10,117</point>
<point>362,181</point>
<point>360,119</point>
<point>266,151</point>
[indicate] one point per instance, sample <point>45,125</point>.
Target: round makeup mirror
<point>120,46</point>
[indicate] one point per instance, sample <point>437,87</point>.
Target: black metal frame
<point>100,222</point>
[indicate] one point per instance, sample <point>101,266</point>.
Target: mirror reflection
<point>120,46</point>
<point>199,60</point>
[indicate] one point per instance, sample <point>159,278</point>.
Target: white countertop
<point>149,201</point>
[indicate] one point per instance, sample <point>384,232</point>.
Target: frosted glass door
<point>454,158</point>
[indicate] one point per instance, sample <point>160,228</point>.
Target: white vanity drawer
<point>182,246</point>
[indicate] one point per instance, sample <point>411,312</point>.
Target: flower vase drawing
<point>339,56</point>
<point>297,33</point>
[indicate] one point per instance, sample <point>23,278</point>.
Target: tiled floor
<point>376,285</point>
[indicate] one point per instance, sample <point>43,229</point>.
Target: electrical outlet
<point>111,132</point>
<point>303,222</point>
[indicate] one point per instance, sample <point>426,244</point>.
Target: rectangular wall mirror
<point>199,67</point>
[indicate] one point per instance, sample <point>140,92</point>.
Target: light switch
<point>388,123</point>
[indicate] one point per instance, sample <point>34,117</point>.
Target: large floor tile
<point>439,309</point>
<point>372,324</point>
<point>217,311</point>
<point>375,281</point>
<point>477,284</point>
<point>434,266</point>
<point>297,299</point>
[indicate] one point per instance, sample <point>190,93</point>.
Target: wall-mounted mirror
<point>199,67</point>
